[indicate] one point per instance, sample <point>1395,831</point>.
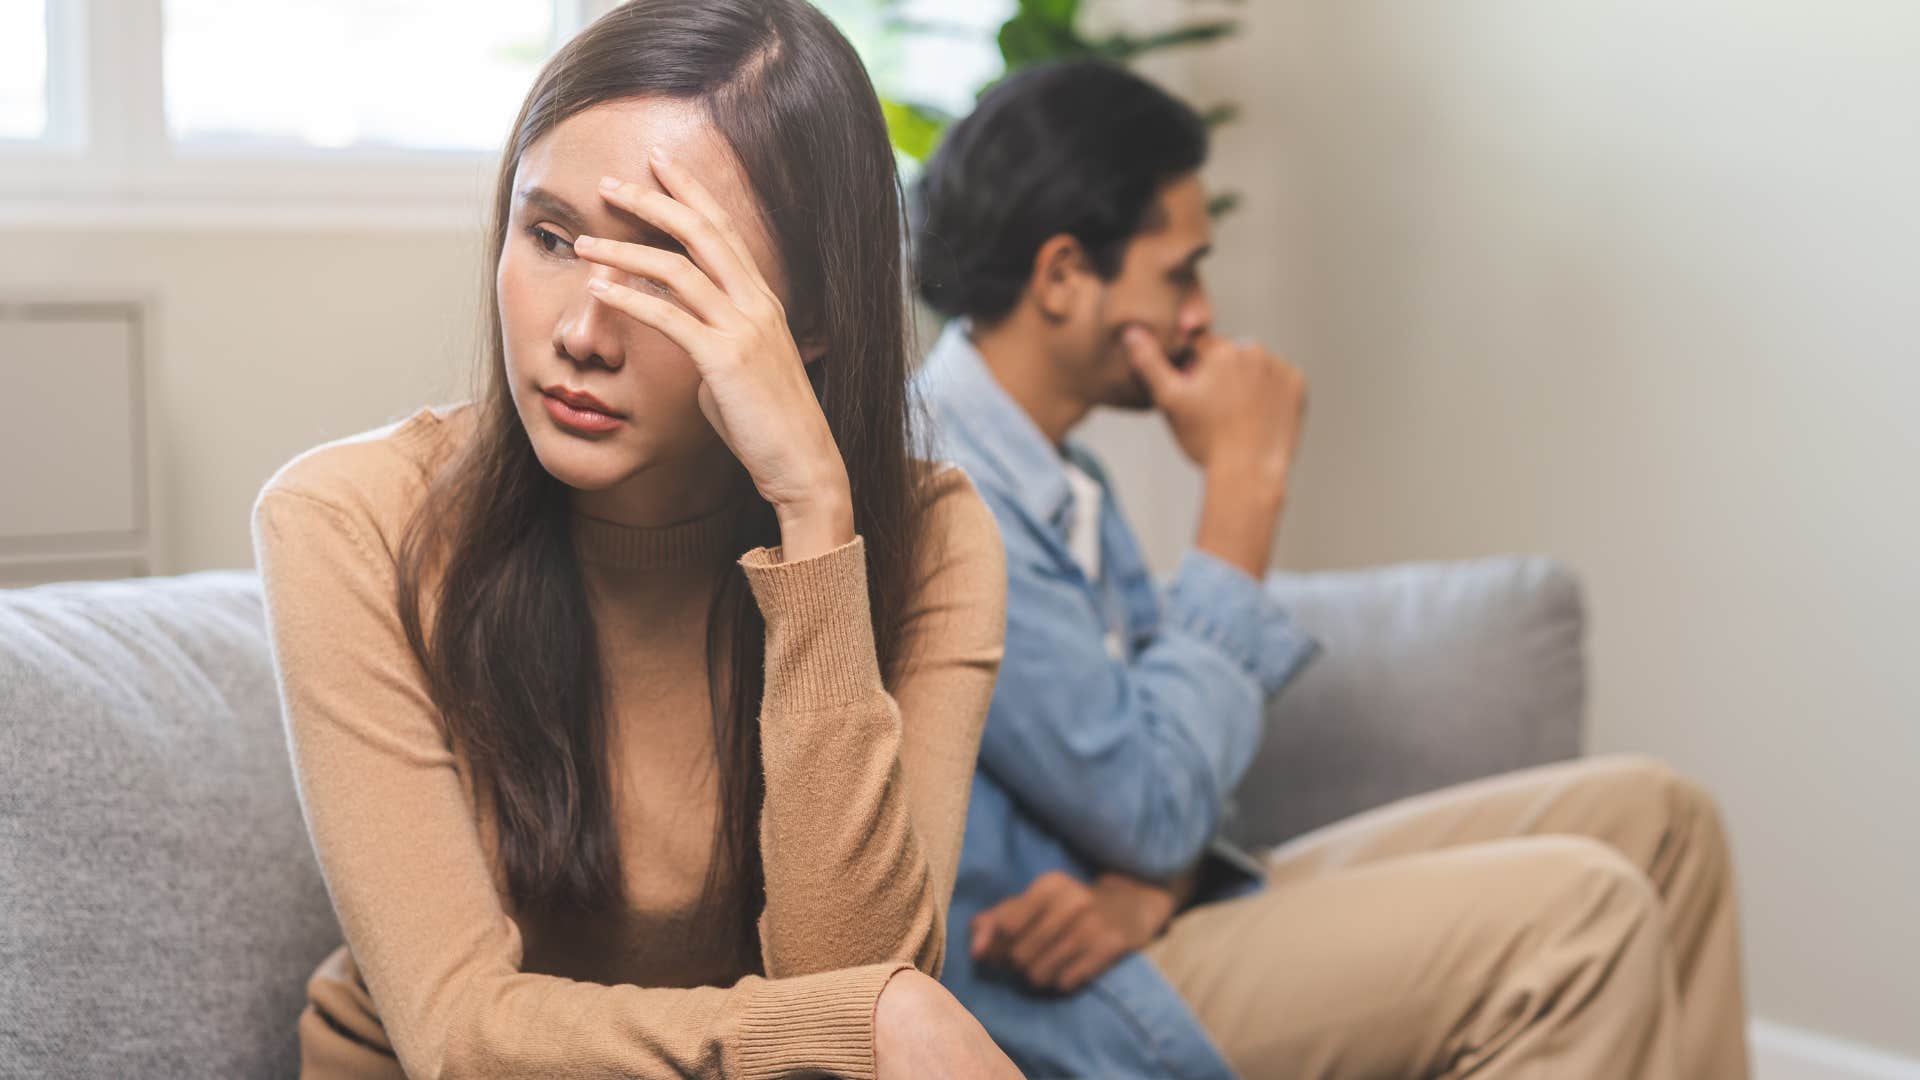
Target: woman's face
<point>561,341</point>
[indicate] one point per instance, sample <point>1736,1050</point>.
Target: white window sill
<point>421,192</point>
<point>160,215</point>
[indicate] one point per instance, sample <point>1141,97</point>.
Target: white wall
<point>267,343</point>
<point>1632,283</point>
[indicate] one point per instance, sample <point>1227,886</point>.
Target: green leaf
<point>1025,41</point>
<point>1055,13</point>
<point>1127,46</point>
<point>915,130</point>
<point>1041,31</point>
<point>1224,113</point>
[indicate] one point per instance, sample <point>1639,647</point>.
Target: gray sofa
<point>160,907</point>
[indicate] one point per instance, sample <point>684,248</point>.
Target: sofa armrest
<point>1431,674</point>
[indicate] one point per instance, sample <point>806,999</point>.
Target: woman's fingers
<point>686,187</point>
<point>705,246</point>
<point>681,327</point>
<point>671,269</point>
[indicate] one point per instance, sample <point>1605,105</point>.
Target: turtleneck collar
<point>699,543</point>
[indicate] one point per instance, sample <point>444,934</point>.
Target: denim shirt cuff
<point>1221,603</point>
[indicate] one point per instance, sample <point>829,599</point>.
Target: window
<point>921,55</point>
<point>432,75</point>
<point>930,51</point>
<point>280,112</point>
<point>23,71</point>
<point>40,68</point>
<point>263,112</point>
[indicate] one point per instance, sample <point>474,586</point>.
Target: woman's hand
<point>753,383</point>
<point>922,1030</point>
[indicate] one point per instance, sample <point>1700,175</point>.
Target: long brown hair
<point>509,650</point>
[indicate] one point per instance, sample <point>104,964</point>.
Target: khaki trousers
<point>1563,922</point>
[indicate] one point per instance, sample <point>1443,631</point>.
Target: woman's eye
<point>550,241</point>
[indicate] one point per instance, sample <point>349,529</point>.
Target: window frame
<point>107,159</point>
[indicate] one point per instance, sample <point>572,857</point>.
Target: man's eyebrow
<point>1197,254</point>
<point>553,206</point>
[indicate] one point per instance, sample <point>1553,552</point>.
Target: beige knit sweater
<point>866,794</point>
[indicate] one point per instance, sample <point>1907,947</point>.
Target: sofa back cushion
<point>1430,674</point>
<point>160,907</point>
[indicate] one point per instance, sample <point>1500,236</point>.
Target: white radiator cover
<point>75,460</point>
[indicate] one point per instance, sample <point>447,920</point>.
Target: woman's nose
<point>591,331</point>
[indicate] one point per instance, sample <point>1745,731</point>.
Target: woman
<point>634,706</point>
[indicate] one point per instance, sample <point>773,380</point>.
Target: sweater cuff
<point>820,650</point>
<point>813,1024</point>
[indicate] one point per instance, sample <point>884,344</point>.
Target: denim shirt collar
<point>971,404</point>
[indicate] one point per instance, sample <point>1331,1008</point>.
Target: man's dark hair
<point>1080,147</point>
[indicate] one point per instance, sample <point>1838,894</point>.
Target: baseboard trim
<point>1783,1052</point>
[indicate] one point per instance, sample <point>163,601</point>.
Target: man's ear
<point>1059,273</point>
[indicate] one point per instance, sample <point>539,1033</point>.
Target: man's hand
<point>1236,412</point>
<point>1061,933</point>
<point>1235,405</point>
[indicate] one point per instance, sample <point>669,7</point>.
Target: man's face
<point>1158,287</point>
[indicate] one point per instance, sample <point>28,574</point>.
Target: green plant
<point>1037,32</point>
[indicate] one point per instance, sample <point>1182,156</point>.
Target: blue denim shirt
<point>1122,721</point>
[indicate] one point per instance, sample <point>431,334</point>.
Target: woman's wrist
<point>815,525</point>
<point>921,1030</point>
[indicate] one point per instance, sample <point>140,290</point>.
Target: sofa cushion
<point>161,904</point>
<point>1430,674</point>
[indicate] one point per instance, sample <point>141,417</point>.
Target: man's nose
<point>1196,315</point>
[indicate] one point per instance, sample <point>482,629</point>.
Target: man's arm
<point>1130,761</point>
<point>1236,411</point>
<point>1239,514</point>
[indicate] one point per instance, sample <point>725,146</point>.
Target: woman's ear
<point>807,338</point>
<point>1059,270</point>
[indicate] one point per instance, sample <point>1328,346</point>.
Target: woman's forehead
<point>614,139</point>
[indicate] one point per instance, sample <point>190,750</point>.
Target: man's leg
<point>1665,825</point>
<point>1538,957</point>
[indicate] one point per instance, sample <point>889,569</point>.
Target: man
<point>1571,921</point>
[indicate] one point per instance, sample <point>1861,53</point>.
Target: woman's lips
<point>581,399</point>
<point>580,412</point>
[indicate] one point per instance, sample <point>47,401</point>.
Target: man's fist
<point>1234,404</point>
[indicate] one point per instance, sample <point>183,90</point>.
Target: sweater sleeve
<point>866,788</point>
<point>405,865</point>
